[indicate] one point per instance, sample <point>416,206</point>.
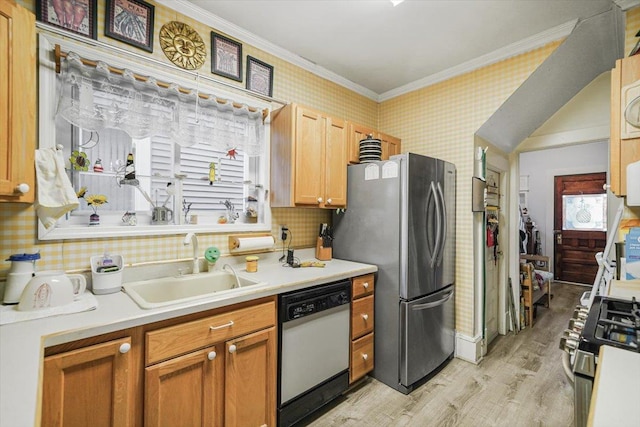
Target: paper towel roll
<point>253,243</point>
<point>633,184</point>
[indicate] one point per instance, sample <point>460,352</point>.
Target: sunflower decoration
<point>81,192</point>
<point>79,161</point>
<point>95,201</point>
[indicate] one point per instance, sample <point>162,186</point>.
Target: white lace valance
<point>95,98</point>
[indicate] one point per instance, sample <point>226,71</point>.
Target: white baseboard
<point>469,348</point>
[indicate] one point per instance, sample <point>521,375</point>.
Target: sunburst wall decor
<point>182,45</point>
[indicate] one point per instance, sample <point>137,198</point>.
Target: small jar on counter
<point>252,263</point>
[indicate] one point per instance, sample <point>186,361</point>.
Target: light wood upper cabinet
<point>90,386</point>
<point>624,145</point>
<point>356,134</point>
<point>390,145</point>
<point>308,159</point>
<point>335,169</point>
<point>17,103</point>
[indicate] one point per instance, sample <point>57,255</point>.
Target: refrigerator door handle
<point>431,246</point>
<point>428,305</point>
<point>436,248</point>
<point>443,219</point>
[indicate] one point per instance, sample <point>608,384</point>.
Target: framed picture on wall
<point>259,76</point>
<point>131,22</point>
<point>77,16</point>
<point>226,57</point>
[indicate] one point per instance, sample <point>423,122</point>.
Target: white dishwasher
<point>314,349</point>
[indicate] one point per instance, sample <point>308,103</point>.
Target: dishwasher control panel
<point>314,300</point>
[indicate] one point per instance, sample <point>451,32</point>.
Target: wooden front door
<point>579,226</point>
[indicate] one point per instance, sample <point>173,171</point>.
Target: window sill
<point>104,231</point>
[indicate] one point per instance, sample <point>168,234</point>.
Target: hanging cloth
<point>94,98</point>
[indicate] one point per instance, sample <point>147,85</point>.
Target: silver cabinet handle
<point>212,355</point>
<point>365,316</point>
<point>365,356</point>
<point>232,348</point>
<point>124,348</point>
<point>365,285</point>
<point>329,201</point>
<point>226,325</point>
<point>319,199</point>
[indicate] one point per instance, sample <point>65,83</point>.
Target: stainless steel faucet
<point>229,267</point>
<point>192,239</point>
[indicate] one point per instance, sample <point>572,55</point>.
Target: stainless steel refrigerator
<point>401,216</point>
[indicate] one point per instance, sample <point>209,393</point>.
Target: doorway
<point>493,256</point>
<point>580,225</point>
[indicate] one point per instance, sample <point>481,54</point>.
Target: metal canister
<point>252,263</point>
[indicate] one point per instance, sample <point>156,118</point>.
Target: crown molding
<point>528,44</point>
<point>627,4</point>
<point>215,22</point>
<point>506,52</point>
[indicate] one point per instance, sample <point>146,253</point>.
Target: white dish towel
<point>55,192</point>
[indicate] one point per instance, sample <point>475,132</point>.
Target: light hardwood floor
<point>519,383</point>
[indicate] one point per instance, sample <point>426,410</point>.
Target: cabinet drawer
<point>361,316</point>
<point>362,285</point>
<point>361,357</point>
<point>179,339</point>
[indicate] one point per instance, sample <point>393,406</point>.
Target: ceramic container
<point>51,288</point>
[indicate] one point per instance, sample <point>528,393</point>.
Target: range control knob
<point>568,344</point>
<point>576,325</point>
<point>582,315</point>
<point>571,334</point>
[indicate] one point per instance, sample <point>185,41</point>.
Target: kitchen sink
<point>174,290</point>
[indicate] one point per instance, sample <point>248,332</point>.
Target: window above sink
<point>201,186</point>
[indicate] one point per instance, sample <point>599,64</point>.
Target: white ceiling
<point>380,50</point>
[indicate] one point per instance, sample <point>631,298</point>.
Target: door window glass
<point>584,212</point>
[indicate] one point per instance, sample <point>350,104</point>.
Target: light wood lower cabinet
<point>186,390</point>
<point>206,369</point>
<point>250,380</point>
<point>362,324</point>
<point>227,376</point>
<point>90,386</point>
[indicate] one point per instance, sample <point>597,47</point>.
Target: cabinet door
<point>390,145</point>
<point>17,102</point>
<point>91,386</point>
<point>250,382</point>
<point>356,134</point>
<point>186,390</point>
<point>336,164</point>
<point>309,157</point>
<point>622,151</point>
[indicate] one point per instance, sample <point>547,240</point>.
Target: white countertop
<point>616,391</point>
<point>624,289</point>
<point>22,344</point>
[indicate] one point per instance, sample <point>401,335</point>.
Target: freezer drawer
<point>427,326</point>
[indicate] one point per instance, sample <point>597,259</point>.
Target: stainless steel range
<point>609,321</point>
